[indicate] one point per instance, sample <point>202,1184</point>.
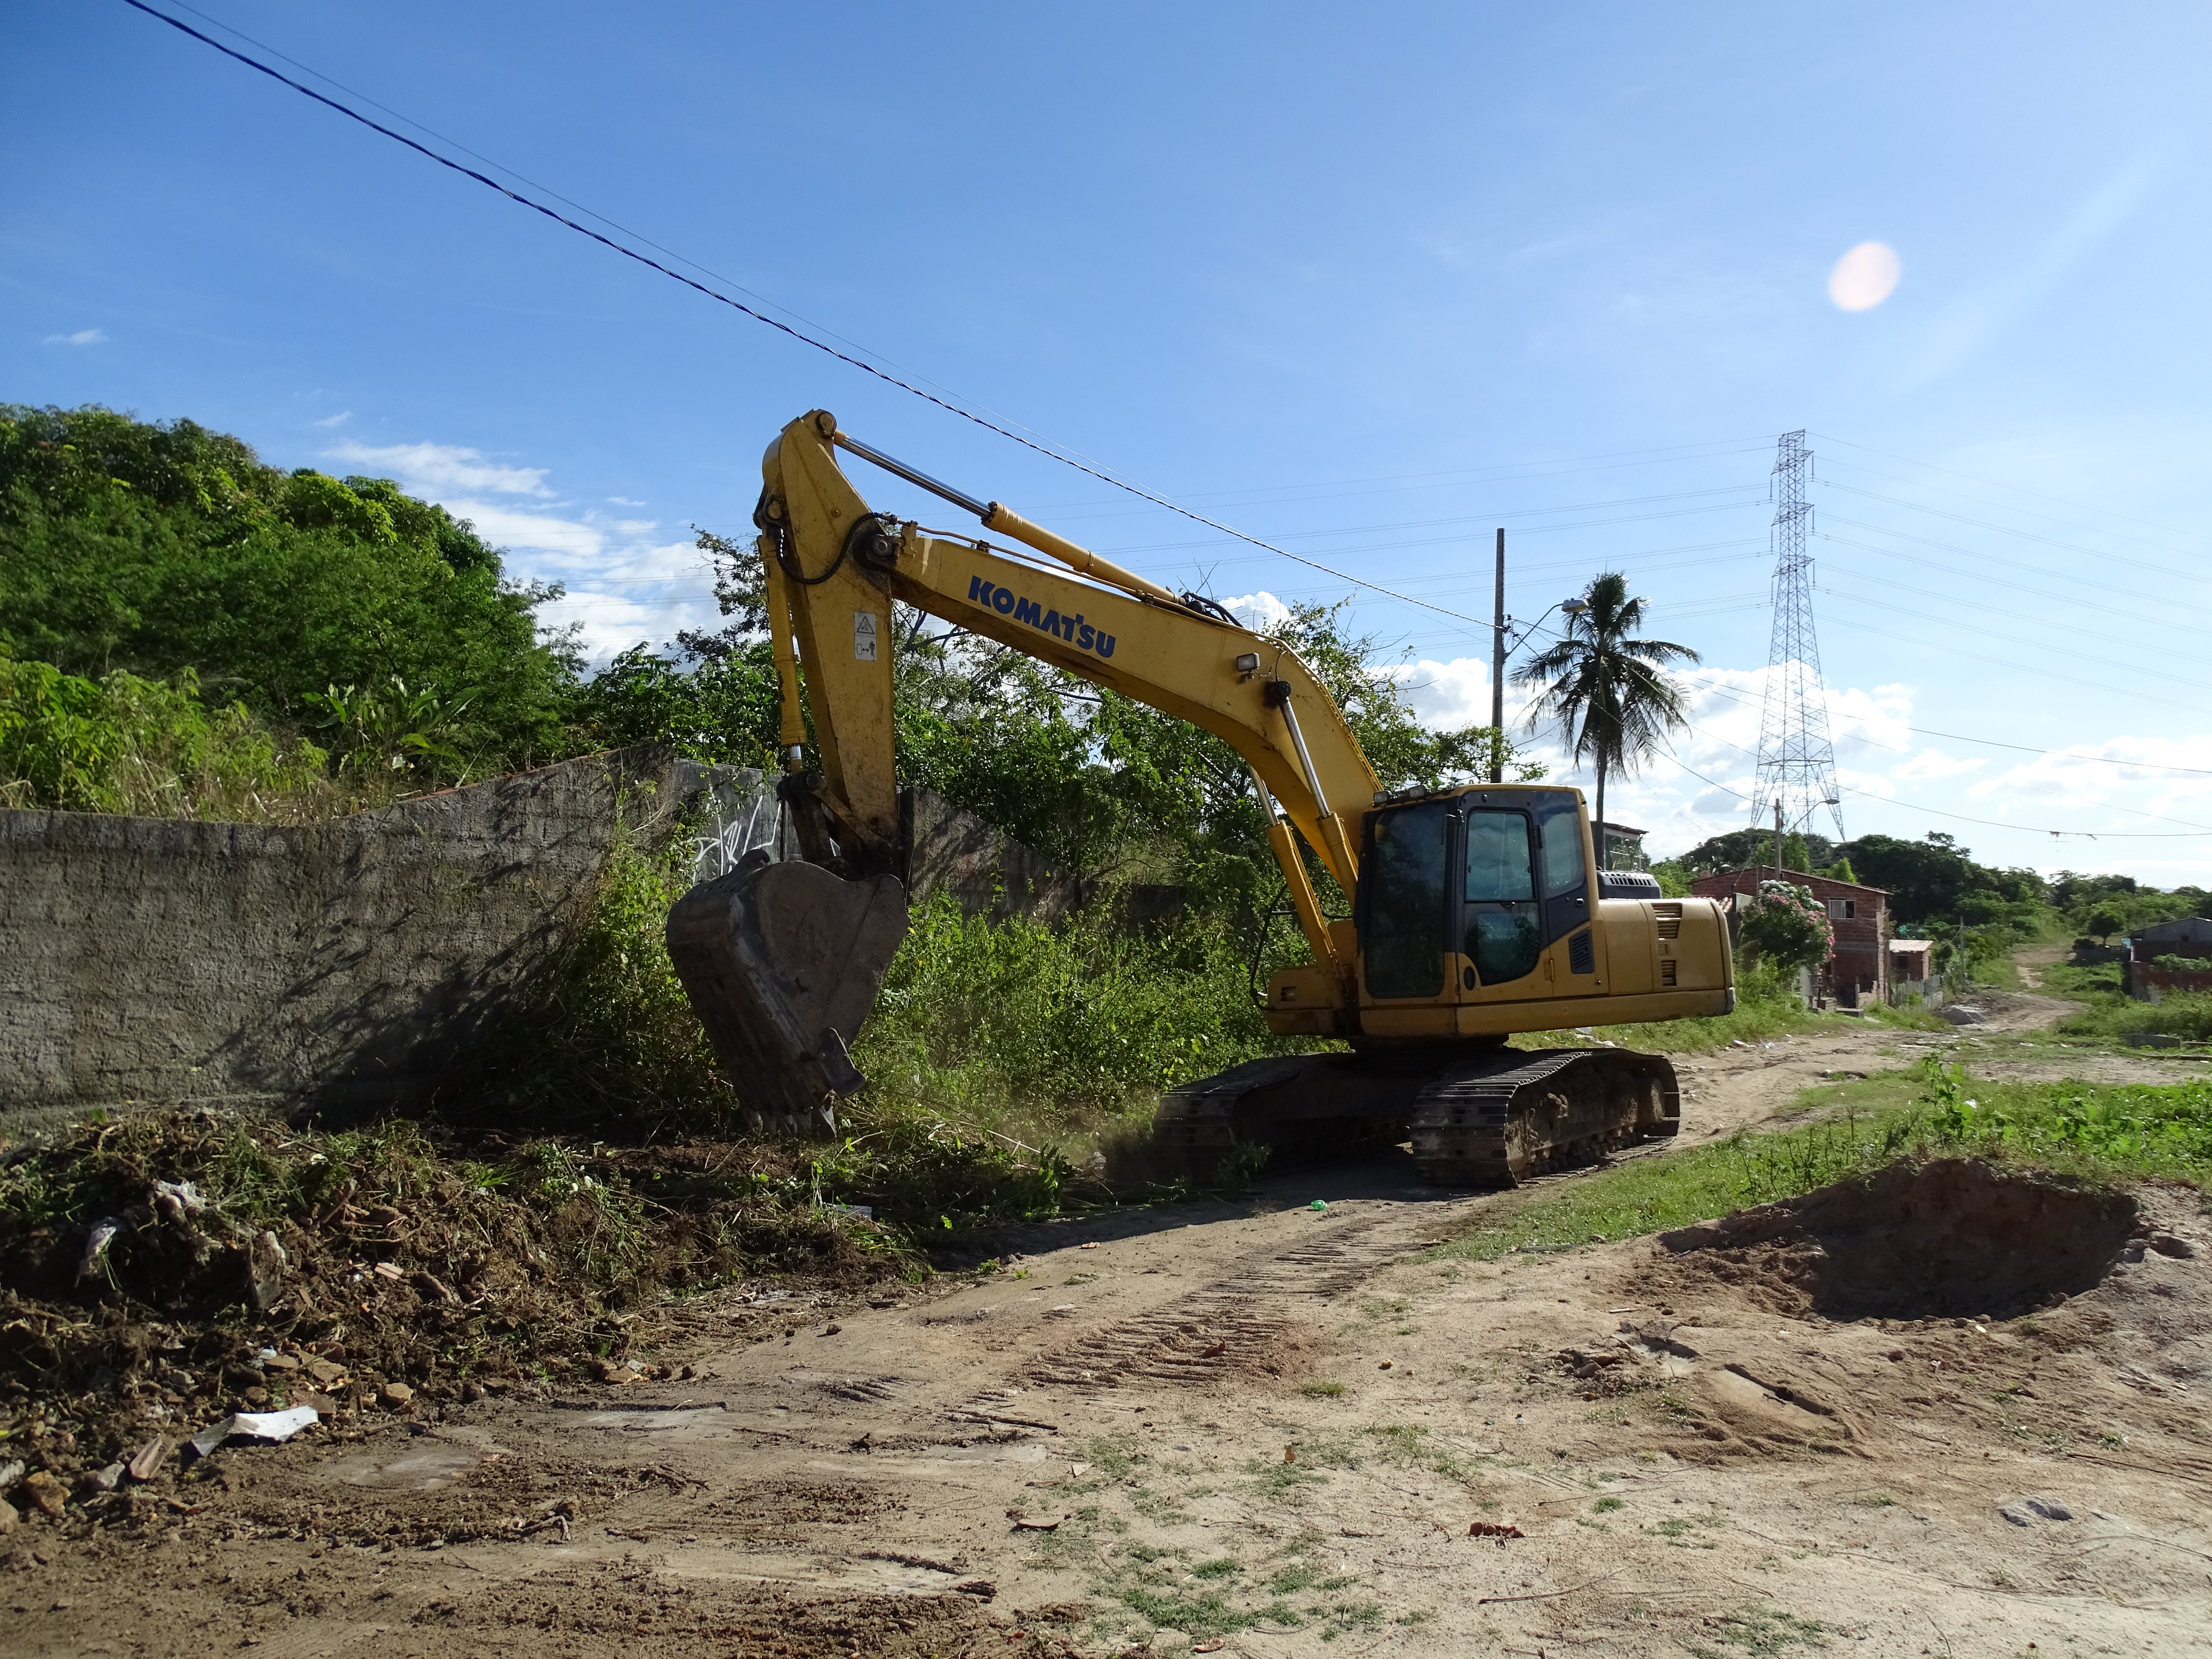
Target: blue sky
<point>1368,282</point>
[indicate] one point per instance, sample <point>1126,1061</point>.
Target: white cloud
<point>1258,612</point>
<point>435,469</point>
<point>2085,777</point>
<point>1934,763</point>
<point>1449,694</point>
<point>621,587</point>
<point>83,337</point>
<point>338,419</point>
<point>607,623</point>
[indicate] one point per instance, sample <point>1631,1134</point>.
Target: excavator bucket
<point>783,962</point>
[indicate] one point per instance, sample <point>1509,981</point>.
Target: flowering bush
<point>1785,925</point>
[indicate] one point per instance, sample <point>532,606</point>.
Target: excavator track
<point>1487,1121</point>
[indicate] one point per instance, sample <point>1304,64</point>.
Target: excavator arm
<point>782,961</point>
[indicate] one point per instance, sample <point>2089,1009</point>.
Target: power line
<point>1508,471</point>
<point>1887,587</point>
<point>1957,737</point>
<point>2006,507</point>
<point>2006,529</point>
<point>2136,613</point>
<point>781,327</point>
<point>1994,484</point>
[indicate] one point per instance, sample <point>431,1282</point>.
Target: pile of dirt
<point>1954,1238</point>
<point>159,1273</point>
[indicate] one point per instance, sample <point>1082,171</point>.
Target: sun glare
<point>1864,277</point>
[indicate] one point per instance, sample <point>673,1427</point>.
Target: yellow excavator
<point>1478,911</point>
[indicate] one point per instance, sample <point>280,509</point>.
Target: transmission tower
<point>1796,761</point>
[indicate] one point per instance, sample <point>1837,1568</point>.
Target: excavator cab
<point>1463,893</point>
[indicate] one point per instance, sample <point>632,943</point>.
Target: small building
<point>1860,915</point>
<point>1912,970</point>
<point>1912,958</point>
<point>2189,939</point>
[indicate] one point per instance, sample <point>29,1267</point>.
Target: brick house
<point>2190,939</point>
<point>1860,915</point>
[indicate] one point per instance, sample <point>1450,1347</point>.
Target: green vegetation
<point>1783,925</point>
<point>2110,1015</point>
<point>159,550</point>
<point>125,745</point>
<point>2091,1132</point>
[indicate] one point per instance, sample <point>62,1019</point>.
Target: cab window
<point>1566,894</point>
<point>1500,915</point>
<point>1403,890</point>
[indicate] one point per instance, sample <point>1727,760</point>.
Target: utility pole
<point>1796,761</point>
<point>1778,838</point>
<point>1497,672</point>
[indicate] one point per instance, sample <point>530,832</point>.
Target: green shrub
<point>125,745</point>
<point>996,1054</point>
<point>1785,925</point>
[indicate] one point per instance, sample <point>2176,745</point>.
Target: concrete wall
<point>340,962</point>
<point>350,963</point>
<point>988,873</point>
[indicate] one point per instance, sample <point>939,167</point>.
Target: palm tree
<point>1605,690</point>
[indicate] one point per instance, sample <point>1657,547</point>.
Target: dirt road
<point>1279,1430</point>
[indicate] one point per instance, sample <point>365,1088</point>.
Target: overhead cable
<point>798,334</point>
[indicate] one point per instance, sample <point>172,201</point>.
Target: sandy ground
<point>1264,1416</point>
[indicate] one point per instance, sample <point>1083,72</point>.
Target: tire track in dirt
<point>1236,1324</point>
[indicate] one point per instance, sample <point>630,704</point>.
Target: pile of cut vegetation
<point>161,1271</point>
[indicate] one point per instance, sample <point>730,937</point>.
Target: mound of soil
<point>1956,1238</point>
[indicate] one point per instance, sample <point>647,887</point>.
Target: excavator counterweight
<point>1479,911</point>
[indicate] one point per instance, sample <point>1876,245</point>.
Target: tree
<point>2103,920</point>
<point>163,549</point>
<point>1606,689</point>
<point>1740,849</point>
<point>1841,871</point>
<point>1785,927</point>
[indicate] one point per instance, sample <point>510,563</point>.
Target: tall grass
<point>1054,1029</point>
<point>2110,1015</point>
<point>997,1056</point>
<point>150,749</point>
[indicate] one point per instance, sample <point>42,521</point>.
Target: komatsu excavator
<point>1478,911</point>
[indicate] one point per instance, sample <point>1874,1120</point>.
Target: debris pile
<point>179,1275</point>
